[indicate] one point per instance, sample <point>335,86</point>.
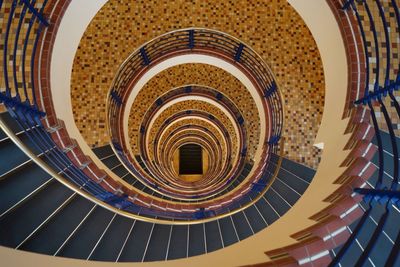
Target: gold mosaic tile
<point>192,105</point>
<point>16,59</point>
<point>272,28</point>
<point>394,57</point>
<point>201,74</point>
<point>197,122</point>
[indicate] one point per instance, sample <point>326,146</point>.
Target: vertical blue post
<point>35,12</point>
<point>188,89</point>
<point>191,39</point>
<point>145,57</point>
<point>239,52</point>
<point>240,120</point>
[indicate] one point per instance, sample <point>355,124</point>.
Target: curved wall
<point>325,30</point>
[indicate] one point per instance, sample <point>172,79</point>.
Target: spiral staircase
<point>66,192</point>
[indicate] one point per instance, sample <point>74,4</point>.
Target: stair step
<point>277,202</point>
<point>59,227</point>
<point>103,151</point>
<point>228,231</point>
<point>20,184</point>
<point>242,226</point>
<point>85,238</point>
<point>290,196</point>
<point>137,241</point>
<point>11,155</point>
<point>3,135</point>
<point>18,224</point>
<point>299,169</point>
<point>157,250</point>
<point>178,245</point>
<point>120,171</point>
<point>111,244</point>
<point>10,122</point>
<point>196,240</point>
<point>256,221</point>
<point>267,211</point>
<point>296,183</point>
<point>213,236</point>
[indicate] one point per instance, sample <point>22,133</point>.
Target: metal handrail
<point>205,38</point>
<point>88,196</point>
<point>379,193</point>
<point>28,116</point>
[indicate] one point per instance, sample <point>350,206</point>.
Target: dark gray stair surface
<point>213,236</point>
<point>137,242</point>
<point>196,240</point>
<point>59,227</point>
<point>179,244</point>
<point>84,240</point>
<point>78,228</point>
<point>158,245</point>
<point>384,242</point>
<point>113,240</point>
<point>19,223</point>
<point>21,183</point>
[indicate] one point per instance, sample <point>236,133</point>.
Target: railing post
<point>239,52</point>
<point>145,57</point>
<point>114,95</point>
<point>379,195</point>
<point>32,9</point>
<point>240,120</point>
<point>270,90</point>
<point>191,39</point>
<point>347,4</point>
<point>188,89</point>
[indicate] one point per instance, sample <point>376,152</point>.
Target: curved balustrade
<point>81,229</point>
<point>19,94</point>
<point>193,40</point>
<point>360,227</point>
<point>173,94</point>
<point>382,79</point>
<point>193,113</point>
<point>97,207</point>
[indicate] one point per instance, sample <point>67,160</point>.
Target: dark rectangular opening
<point>190,159</point>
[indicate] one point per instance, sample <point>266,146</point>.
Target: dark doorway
<point>190,159</point>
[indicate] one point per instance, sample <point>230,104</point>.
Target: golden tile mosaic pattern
<point>394,57</point>
<point>197,122</point>
<point>16,59</point>
<point>272,28</point>
<point>192,105</point>
<point>201,74</point>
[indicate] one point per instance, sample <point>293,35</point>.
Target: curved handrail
<point>379,193</point>
<point>88,196</point>
<point>175,41</point>
<point>24,109</point>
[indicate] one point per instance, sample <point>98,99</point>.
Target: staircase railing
<point>378,87</point>
<point>187,41</point>
<point>22,95</point>
<point>349,231</point>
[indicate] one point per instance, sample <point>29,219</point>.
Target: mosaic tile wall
<point>194,122</point>
<point>394,58</point>
<point>192,105</point>
<point>16,59</point>
<point>272,28</point>
<point>187,132</point>
<point>201,74</point>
